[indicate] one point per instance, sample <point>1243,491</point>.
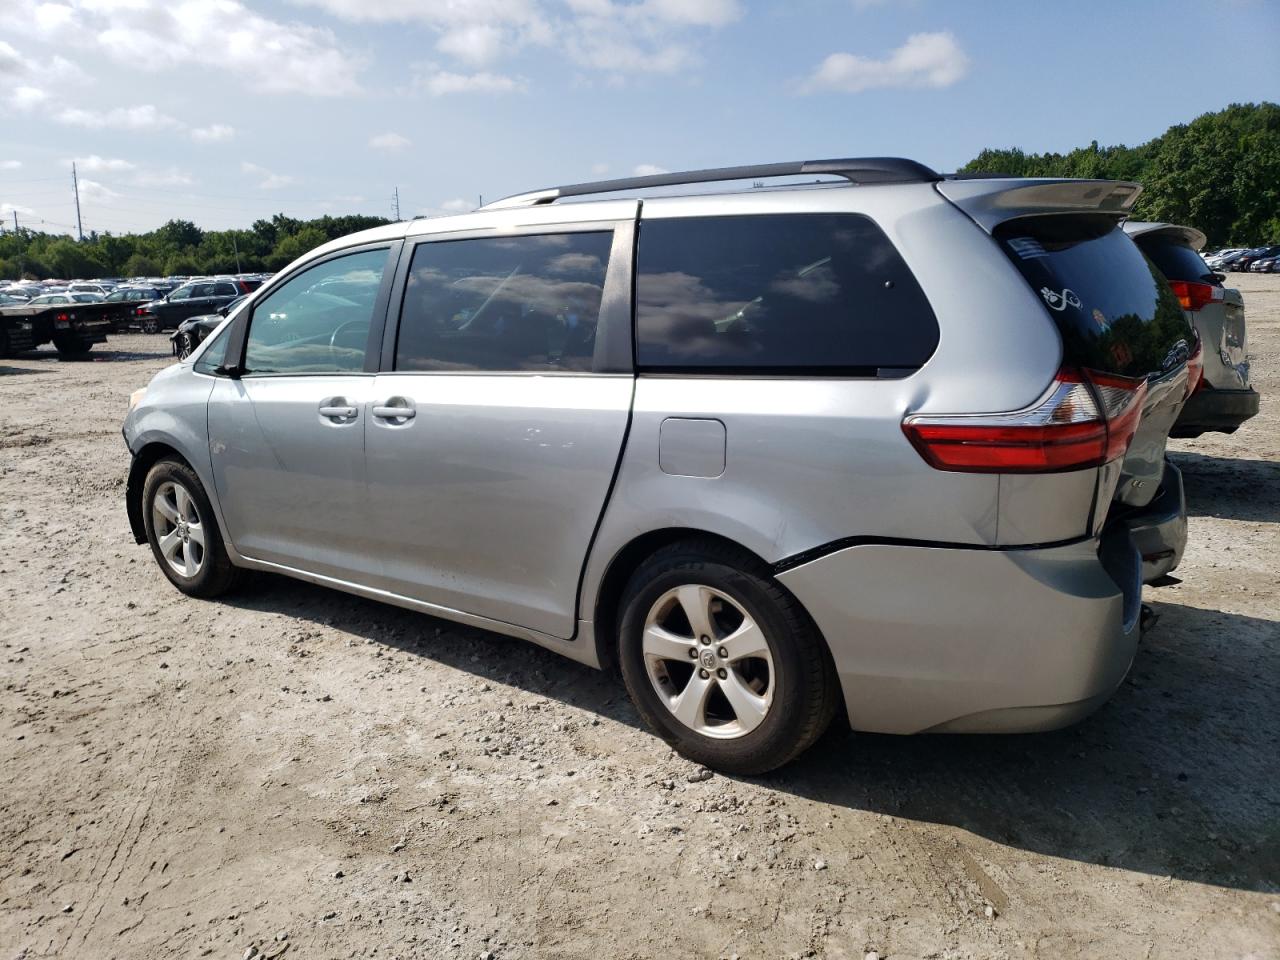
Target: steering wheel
<point>333,339</point>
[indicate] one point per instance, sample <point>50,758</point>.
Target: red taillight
<point>1194,295</point>
<point>62,320</point>
<point>1084,419</point>
<point>1195,368</point>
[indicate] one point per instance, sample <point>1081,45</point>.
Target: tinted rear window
<point>1112,305</point>
<point>1176,260</point>
<point>504,303</point>
<point>805,293</point>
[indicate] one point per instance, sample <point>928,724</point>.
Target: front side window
<point>799,293</point>
<point>318,320</point>
<point>504,304</point>
<point>182,293</point>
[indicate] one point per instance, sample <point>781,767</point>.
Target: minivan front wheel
<point>182,531</point>
<point>721,661</point>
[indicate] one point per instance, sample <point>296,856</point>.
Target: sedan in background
<point>193,331</point>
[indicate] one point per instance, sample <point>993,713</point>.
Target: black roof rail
<point>853,169</point>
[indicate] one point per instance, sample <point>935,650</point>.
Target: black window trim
<point>614,327</point>
<point>748,372</point>
<point>237,340</point>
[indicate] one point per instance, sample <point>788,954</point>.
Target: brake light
<point>1194,295</point>
<point>1195,369</point>
<point>1084,419</point>
<point>62,321</point>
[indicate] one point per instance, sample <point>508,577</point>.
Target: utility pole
<point>75,185</point>
<point>236,247</point>
<point>395,203</point>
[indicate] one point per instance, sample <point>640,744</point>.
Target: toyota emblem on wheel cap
<point>708,659</point>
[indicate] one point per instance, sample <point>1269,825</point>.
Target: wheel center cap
<point>183,530</point>
<point>707,659</point>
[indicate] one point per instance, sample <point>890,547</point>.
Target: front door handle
<point>396,409</point>
<point>338,409</point>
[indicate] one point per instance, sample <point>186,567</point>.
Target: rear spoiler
<point>1193,238</point>
<point>990,202</point>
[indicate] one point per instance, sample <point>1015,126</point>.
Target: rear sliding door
<point>495,429</point>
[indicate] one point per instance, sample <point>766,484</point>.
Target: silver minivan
<point>879,443</point>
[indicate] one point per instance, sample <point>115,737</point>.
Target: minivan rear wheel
<point>721,661</point>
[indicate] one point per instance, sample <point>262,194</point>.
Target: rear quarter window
<point>778,293</point>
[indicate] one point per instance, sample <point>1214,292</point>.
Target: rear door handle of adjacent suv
<point>338,409</point>
<point>396,409</point>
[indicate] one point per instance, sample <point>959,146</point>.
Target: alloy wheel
<point>178,528</point>
<point>709,661</point>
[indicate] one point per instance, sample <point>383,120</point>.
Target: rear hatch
<point>1117,315</point>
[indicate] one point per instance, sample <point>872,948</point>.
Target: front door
<point>492,443</point>
<point>287,438</point>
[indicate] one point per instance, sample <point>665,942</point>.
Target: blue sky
<point>223,111</point>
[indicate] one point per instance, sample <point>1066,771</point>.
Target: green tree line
<point>1219,173</point>
<point>178,248</point>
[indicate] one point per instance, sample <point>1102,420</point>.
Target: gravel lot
<point>301,772</point>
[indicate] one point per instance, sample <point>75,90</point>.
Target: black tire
<point>71,348</point>
<point>184,346</point>
<point>215,574</point>
<point>5,350</point>
<point>805,689</point>
<point>150,325</point>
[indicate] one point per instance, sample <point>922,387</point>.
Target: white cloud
<point>214,133</point>
<point>172,177</point>
<point>144,116</point>
<point>442,82</point>
<point>701,13</point>
<point>476,43</point>
<point>925,60</point>
<point>265,54</point>
<point>7,210</point>
<point>390,142</point>
<point>11,62</point>
<point>650,36</point>
<point>96,164</point>
<point>27,98</point>
<point>10,164</point>
<point>266,179</point>
<point>92,191</point>
<point>649,170</point>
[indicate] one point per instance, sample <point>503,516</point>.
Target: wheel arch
<point>146,458</point>
<point>625,561</point>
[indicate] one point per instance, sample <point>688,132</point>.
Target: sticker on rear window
<point>1028,248</point>
<point>1060,301</point>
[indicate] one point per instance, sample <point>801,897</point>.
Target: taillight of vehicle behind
<point>1194,296</point>
<point>1084,419</point>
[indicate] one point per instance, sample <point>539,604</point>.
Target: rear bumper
<point>1215,410</point>
<point>1159,532</point>
<point>947,639</point>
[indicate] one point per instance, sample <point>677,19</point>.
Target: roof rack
<point>853,169</point>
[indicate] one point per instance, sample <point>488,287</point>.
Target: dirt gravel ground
<point>294,771</point>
